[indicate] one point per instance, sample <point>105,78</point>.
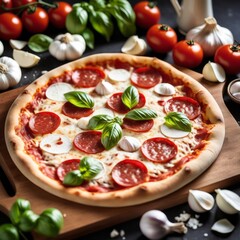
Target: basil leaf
<point>89,167</point>
<point>73,178</point>
<point>89,38</point>
<point>98,4</point>
<point>28,221</point>
<point>102,23</point>
<point>39,42</point>
<point>117,120</point>
<point>76,20</point>
<point>130,97</point>
<point>9,232</point>
<point>17,210</point>
<point>98,122</point>
<point>49,222</point>
<point>80,99</point>
<point>178,120</point>
<point>111,134</point>
<point>141,114</point>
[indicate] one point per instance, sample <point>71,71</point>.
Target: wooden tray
<point>80,219</point>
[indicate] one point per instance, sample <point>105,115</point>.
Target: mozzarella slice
<point>56,144</point>
<point>119,75</point>
<point>172,133</point>
<point>56,91</point>
<point>83,122</point>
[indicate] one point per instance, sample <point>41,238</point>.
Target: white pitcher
<point>191,13</point>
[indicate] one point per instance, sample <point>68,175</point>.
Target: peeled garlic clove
<point>104,88</point>
<point>165,89</point>
<point>227,201</point>
<point>17,44</point>
<point>200,201</point>
<point>223,226</point>
<point>135,46</point>
<point>129,144</point>
<point>214,72</point>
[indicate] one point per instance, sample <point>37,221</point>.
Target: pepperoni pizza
<point>114,130</point>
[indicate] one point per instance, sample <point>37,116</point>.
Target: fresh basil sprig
<point>141,114</point>
<point>99,122</point>
<point>39,42</point>
<point>178,120</point>
<point>130,97</point>
<point>80,99</point>
<point>88,169</point>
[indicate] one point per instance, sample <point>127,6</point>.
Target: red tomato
<point>228,56</point>
<point>187,53</point>
<point>147,14</point>
<point>161,38</point>
<point>5,4</point>
<point>57,16</point>
<point>35,22</point>
<point>10,26</point>
<point>18,3</point>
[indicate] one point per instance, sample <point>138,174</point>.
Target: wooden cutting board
<point>80,219</point>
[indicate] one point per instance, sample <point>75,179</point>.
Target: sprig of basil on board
<point>178,120</point>
<point>79,99</point>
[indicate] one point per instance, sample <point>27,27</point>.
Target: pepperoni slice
<point>89,142</point>
<point>159,149</point>
<point>87,77</point>
<point>186,105</point>
<point>73,111</point>
<point>146,77</point>
<point>129,173</point>
<point>137,125</point>
<point>44,122</point>
<point>116,104</point>
<point>67,166</point>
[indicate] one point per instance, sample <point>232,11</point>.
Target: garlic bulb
<point>210,36</point>
<point>154,225</point>
<point>129,144</point>
<point>104,88</point>
<point>1,48</point>
<point>10,73</point>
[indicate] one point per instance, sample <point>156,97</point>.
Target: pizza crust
<point>131,196</point>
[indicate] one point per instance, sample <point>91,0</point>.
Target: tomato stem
<point>235,47</point>
<point>190,42</point>
<point>164,27</point>
<point>152,4</point>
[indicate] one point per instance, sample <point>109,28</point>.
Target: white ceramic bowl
<point>234,90</point>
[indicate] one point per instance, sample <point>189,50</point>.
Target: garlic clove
<point>25,59</point>
<point>227,201</point>
<point>135,46</point>
<point>104,88</point>
<point>17,44</point>
<point>223,226</point>
<point>129,144</point>
<point>1,48</point>
<point>165,89</point>
<point>200,201</point>
<point>129,44</point>
<point>214,72</point>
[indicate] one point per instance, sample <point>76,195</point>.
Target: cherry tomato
<point>228,56</point>
<point>57,16</point>
<point>10,26</point>
<point>35,22</point>
<point>147,14</point>
<point>187,53</point>
<point>5,4</point>
<point>18,3</point>
<point>161,38</point>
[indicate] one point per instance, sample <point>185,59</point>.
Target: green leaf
<point>49,222</point>
<point>76,20</point>
<point>178,120</point>
<point>90,167</point>
<point>99,122</point>
<point>130,97</point>
<point>73,178</point>
<point>111,134</point>
<point>80,99</point>
<point>102,23</point>
<point>28,221</point>
<point>8,232</point>
<point>17,210</point>
<point>39,42</point>
<point>89,38</point>
<point>98,4</point>
<point>141,114</point>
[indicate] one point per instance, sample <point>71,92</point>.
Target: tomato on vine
<point>57,15</point>
<point>228,56</point>
<point>187,53</point>
<point>161,38</point>
<point>147,14</point>
<point>19,3</point>
<point>5,4</point>
<point>10,26</point>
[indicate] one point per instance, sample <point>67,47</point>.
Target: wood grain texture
<point>80,219</point>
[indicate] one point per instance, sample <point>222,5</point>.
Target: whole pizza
<point>114,130</point>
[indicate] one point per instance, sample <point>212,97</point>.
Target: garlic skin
<point>155,225</point>
<point>200,201</point>
<point>210,36</point>
<point>214,72</point>
<point>227,201</point>
<point>1,48</point>
<point>104,88</point>
<point>165,89</point>
<point>129,144</point>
